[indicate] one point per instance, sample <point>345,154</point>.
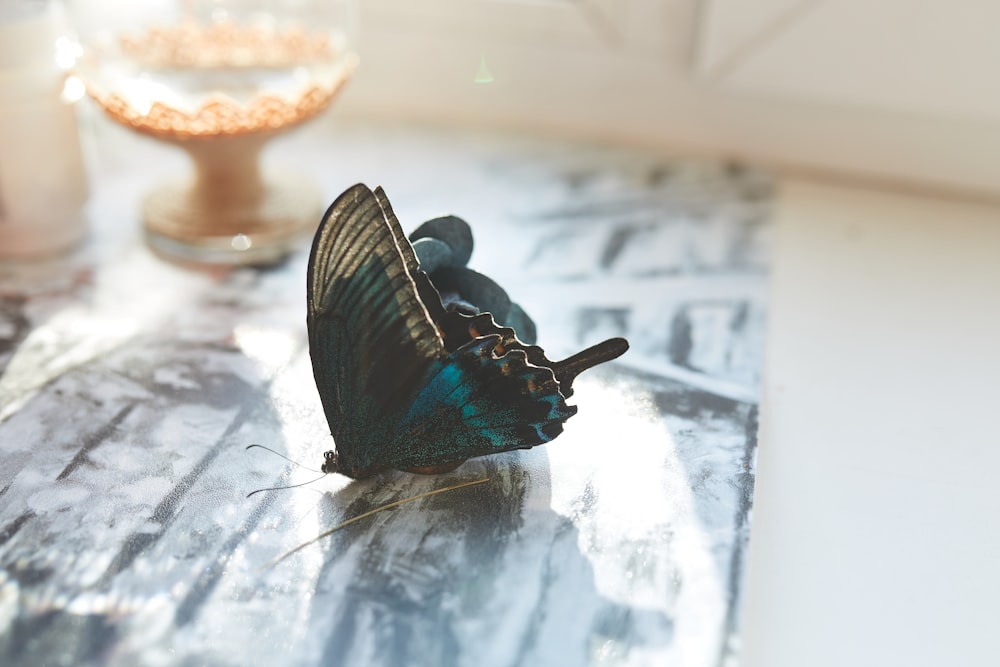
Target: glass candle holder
<point>219,79</point>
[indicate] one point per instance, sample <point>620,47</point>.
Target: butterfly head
<point>330,462</point>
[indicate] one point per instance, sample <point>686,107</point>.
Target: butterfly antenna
<point>284,457</point>
<point>369,513</point>
<point>292,486</point>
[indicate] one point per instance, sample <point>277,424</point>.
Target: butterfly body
<point>407,384</point>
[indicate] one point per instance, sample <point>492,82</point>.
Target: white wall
<point>878,91</point>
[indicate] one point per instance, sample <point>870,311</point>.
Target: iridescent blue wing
<point>493,394</point>
<point>372,339</point>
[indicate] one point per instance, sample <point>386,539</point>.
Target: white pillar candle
<point>42,180</point>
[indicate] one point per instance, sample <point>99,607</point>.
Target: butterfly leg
<point>329,462</point>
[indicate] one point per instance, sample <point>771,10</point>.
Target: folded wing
<point>372,339</point>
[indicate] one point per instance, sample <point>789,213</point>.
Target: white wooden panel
<point>730,30</point>
<point>932,57</point>
<point>874,539</point>
<point>558,23</point>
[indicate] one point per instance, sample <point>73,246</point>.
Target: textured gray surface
<point>131,387</point>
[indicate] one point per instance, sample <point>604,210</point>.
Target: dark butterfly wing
<point>372,339</point>
<point>406,384</point>
<point>479,403</point>
<point>494,394</point>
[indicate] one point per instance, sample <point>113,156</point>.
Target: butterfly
<point>406,383</point>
